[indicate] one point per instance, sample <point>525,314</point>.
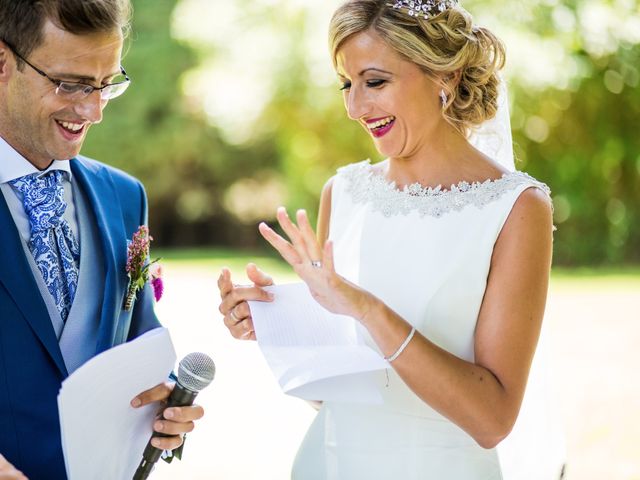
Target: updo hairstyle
<point>447,43</point>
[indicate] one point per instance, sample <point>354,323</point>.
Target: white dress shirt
<point>13,166</point>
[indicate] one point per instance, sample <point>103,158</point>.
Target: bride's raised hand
<point>314,265</point>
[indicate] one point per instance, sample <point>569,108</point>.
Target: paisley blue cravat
<point>54,248</point>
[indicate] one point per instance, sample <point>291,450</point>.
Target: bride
<point>441,252</point>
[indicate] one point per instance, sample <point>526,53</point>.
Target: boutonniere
<point>139,269</point>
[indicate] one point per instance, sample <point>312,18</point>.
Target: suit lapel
<point>103,203</point>
<point>17,277</point>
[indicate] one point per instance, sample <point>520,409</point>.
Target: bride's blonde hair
<point>447,43</point>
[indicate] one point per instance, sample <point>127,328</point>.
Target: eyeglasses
<point>74,91</point>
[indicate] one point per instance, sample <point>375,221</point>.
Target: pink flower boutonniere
<point>139,268</point>
<point>155,270</point>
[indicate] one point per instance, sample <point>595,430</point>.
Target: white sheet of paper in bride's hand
<point>102,435</point>
<point>313,353</point>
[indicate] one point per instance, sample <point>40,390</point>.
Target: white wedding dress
<point>426,253</point>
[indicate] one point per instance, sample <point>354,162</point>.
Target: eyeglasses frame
<point>57,82</point>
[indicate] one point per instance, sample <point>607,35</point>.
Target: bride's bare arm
<point>484,397</point>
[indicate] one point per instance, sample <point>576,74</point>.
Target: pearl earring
<point>443,97</point>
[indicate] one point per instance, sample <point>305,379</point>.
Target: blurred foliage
<point>591,158</point>
<point>209,184</point>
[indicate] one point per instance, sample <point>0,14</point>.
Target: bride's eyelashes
<point>376,83</point>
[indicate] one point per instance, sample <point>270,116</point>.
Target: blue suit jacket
<point>31,364</point>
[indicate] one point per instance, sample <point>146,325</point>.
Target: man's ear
<point>5,62</point>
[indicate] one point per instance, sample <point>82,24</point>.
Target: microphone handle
<point>180,397</point>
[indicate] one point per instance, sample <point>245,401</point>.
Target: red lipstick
<point>382,130</point>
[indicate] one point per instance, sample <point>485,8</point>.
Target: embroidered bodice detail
<point>367,186</point>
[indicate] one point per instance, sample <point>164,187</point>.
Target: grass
<point>615,277</point>
<point>216,258</point>
<point>624,278</point>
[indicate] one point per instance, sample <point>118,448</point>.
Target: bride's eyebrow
<point>369,69</point>
<point>374,69</point>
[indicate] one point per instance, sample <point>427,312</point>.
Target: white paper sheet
<point>102,435</point>
<point>313,353</point>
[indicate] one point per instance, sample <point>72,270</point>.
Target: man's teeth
<point>381,123</point>
<point>74,127</point>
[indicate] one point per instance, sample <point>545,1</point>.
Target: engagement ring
<point>232,314</point>
<point>316,263</point>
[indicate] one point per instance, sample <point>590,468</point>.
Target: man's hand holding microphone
<point>195,372</point>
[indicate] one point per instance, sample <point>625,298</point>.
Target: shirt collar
<point>13,165</point>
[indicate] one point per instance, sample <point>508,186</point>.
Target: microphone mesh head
<point>196,371</point>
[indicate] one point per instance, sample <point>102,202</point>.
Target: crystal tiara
<point>426,8</point>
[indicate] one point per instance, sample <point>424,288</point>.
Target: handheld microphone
<point>195,372</point>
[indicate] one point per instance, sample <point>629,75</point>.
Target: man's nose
<point>91,107</point>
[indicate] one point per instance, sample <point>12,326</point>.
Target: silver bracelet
<point>402,347</point>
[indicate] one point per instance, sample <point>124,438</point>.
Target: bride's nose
<point>357,103</point>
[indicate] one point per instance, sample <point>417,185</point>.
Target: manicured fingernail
<point>168,413</point>
<point>136,402</point>
<point>155,442</point>
<point>158,426</point>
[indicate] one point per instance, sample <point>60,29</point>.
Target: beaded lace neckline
<point>367,186</point>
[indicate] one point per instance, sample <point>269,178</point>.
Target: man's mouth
<point>71,130</point>
<point>381,126</point>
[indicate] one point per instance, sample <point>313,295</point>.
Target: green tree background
<point>233,111</point>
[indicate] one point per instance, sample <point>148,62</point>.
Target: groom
<point>64,224</point>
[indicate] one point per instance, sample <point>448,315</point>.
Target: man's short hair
<point>22,21</point>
